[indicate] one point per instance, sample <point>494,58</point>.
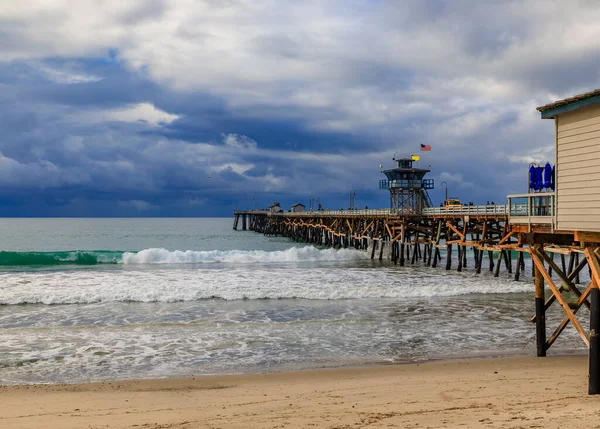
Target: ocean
<point>112,299</point>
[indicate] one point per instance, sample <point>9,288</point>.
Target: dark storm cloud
<point>167,109</point>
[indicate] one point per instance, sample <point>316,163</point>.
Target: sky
<point>196,108</point>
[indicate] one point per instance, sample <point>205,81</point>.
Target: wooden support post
<point>594,353</point>
<point>381,244</point>
<point>571,262</point>
<point>374,247</point>
<point>577,279</point>
<point>415,252</point>
<point>508,260</point>
<point>464,255</point>
<point>402,243</point>
<point>460,249</point>
<point>479,260</point>
<point>498,263</point>
<point>519,266</point>
<point>448,257</point>
<point>402,253</point>
<point>540,312</point>
<point>594,381</point>
<point>475,251</point>
<point>522,262</point>
<point>436,253</point>
<point>491,259</point>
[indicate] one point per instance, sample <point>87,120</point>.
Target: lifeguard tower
<point>408,187</point>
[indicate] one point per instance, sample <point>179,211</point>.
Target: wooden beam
<point>388,230</point>
<point>563,277</point>
<point>349,226</point>
<point>536,257</point>
<point>456,231</point>
<point>369,226</point>
<point>548,238</point>
<point>563,324</point>
<point>506,237</point>
<point>592,258</point>
<point>559,250</point>
<point>571,277</point>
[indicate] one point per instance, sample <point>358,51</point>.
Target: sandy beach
<point>491,393</point>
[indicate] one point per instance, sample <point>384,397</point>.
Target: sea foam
<point>247,282</point>
<point>294,254</point>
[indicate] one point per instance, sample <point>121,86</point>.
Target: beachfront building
<point>408,187</point>
<point>298,207</point>
<point>577,145</point>
<point>569,223</point>
<point>275,207</point>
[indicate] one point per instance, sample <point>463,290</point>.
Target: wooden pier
<point>550,220</point>
<point>407,238</point>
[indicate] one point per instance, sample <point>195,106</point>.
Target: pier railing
<point>532,209</point>
<point>485,210</point>
<point>489,209</point>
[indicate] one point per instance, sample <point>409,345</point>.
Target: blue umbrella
<point>531,177</point>
<point>539,181</point>
<point>547,175</point>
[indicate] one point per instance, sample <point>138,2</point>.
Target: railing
<point>365,212</point>
<point>406,184</point>
<point>487,210</point>
<point>490,209</point>
<point>532,209</point>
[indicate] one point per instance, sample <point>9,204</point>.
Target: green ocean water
<point>105,299</point>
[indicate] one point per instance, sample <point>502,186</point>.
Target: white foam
<point>250,282</point>
<point>294,254</point>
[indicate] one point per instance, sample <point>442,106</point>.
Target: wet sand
<point>485,393</point>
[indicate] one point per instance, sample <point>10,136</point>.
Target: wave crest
<point>294,254</point>
<point>164,256</point>
<point>68,257</point>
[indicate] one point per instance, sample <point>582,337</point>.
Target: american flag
<point>425,147</point>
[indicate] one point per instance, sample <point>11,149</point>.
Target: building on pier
<point>408,187</point>
<point>298,207</point>
<point>275,207</point>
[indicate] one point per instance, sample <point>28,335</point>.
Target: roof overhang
<point>552,110</point>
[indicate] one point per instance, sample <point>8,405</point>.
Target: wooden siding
<point>578,170</point>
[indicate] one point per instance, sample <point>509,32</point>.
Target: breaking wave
<point>164,256</point>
